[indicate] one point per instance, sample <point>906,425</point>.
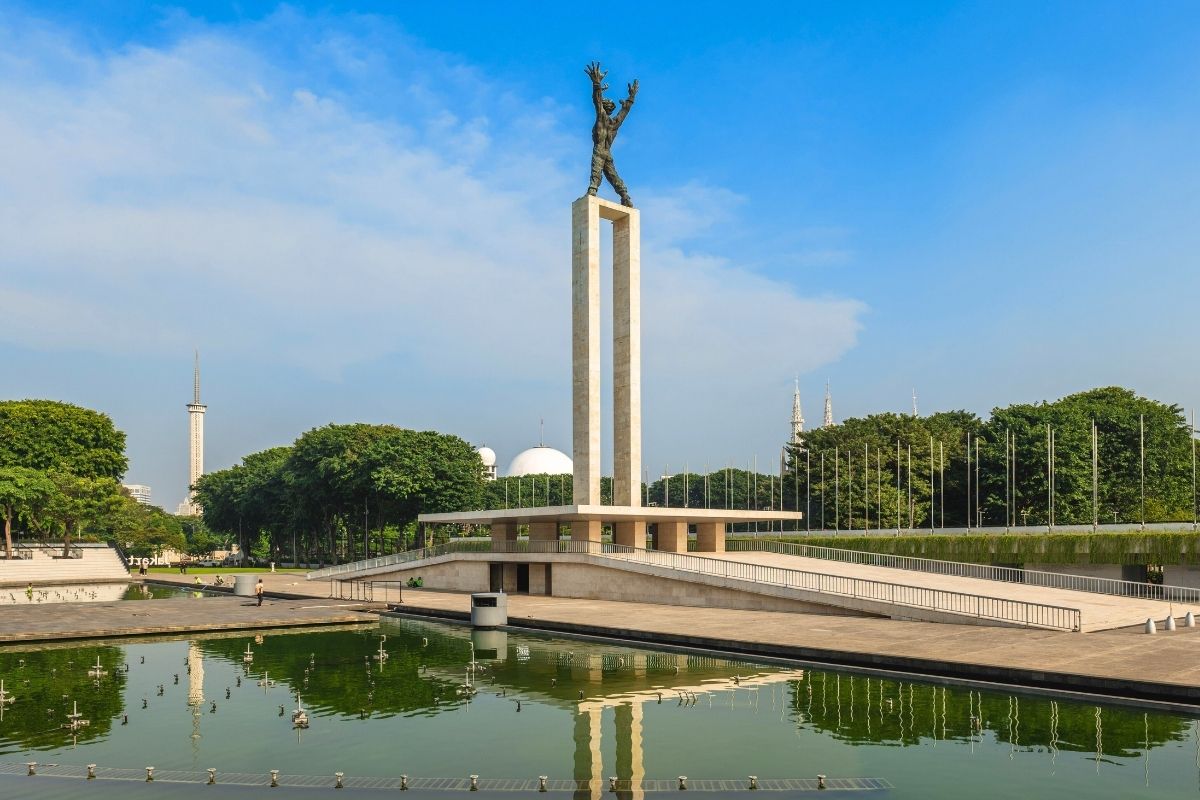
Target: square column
<point>672,536</point>
<point>585,350</point>
<point>710,537</point>
<point>503,535</point>
<point>630,534</point>
<point>627,356</point>
<point>586,530</point>
<point>543,531</point>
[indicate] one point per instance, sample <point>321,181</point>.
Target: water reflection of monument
<point>617,678</point>
<point>195,668</point>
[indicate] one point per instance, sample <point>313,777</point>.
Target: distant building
<point>540,460</point>
<point>138,492</point>
<point>488,456</point>
<point>797,418</point>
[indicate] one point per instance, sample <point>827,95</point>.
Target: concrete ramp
<point>716,576</point>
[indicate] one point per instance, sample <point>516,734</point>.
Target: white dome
<point>540,460</point>
<point>487,455</point>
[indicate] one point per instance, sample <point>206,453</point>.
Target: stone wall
<point>592,582</point>
<point>455,575</point>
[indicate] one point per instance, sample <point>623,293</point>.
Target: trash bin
<point>489,609</point>
<point>243,585</point>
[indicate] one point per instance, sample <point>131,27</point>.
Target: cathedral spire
<point>797,417</point>
<point>828,422</point>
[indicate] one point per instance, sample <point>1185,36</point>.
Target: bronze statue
<point>605,131</point>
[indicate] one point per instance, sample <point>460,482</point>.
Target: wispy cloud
<point>337,201</point>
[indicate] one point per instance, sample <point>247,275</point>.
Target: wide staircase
<point>42,564</point>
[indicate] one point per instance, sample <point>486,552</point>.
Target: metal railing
<point>367,591</point>
<point>988,572</point>
<point>999,609</point>
<point>403,557</point>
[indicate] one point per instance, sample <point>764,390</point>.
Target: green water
<point>717,718</point>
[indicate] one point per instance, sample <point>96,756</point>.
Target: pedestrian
<point>142,567</point>
<point>258,590</point>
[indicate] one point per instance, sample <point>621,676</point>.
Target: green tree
<point>1120,417</point>
<point>25,494</point>
<point>79,503</point>
<point>340,486</point>
<point>143,530</point>
<point>46,435</point>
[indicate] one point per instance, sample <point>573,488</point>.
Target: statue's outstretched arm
<point>626,104</point>
<point>597,75</point>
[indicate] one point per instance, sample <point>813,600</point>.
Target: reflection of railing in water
<point>367,591</point>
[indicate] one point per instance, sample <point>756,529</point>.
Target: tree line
<point>1028,464</point>
<point>341,492</point>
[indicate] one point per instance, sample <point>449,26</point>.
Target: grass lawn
<point>214,570</point>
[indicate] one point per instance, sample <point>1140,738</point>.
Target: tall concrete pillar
<point>627,357</point>
<point>503,534</point>
<point>672,536</point>
<point>630,534</point>
<point>586,213</point>
<point>710,537</point>
<point>585,350</point>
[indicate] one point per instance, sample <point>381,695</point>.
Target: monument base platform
<point>630,524</point>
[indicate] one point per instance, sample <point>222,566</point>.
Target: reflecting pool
<point>449,702</point>
<point>92,593</point>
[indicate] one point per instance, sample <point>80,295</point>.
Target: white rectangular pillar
<point>585,350</point>
<point>627,357</point>
<point>586,213</point>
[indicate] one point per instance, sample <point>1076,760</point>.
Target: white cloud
<point>204,192</point>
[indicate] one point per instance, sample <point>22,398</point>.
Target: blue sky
<point>359,213</point>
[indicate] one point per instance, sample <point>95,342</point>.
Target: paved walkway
<point>1122,663</point>
<point>59,621</point>
<point>1098,611</point>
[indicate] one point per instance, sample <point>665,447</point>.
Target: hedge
<point>1168,547</point>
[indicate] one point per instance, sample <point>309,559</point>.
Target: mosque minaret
<point>196,411</point>
<point>828,421</point>
<point>797,418</point>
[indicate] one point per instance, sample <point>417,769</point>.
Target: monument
<point>196,409</point>
<point>587,516</point>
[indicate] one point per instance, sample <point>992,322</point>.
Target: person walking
<point>258,590</point>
